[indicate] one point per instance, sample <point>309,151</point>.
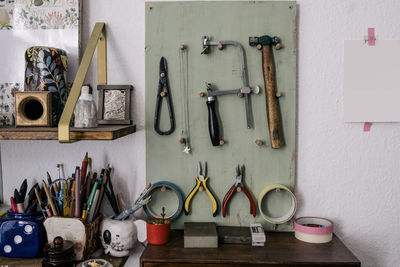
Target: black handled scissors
<point>163,91</point>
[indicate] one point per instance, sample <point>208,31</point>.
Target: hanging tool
<point>239,186</point>
<point>244,91</point>
<point>201,184</point>
<point>213,126</point>
<point>163,92</point>
<point>183,64</point>
<point>265,43</point>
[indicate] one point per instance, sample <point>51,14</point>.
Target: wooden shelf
<point>103,132</point>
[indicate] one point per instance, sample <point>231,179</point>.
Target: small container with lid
<point>85,110</point>
<point>60,253</point>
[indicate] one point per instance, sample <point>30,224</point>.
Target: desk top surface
<point>280,248</point>
<point>37,262</point>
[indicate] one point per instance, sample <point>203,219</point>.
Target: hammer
<point>265,43</point>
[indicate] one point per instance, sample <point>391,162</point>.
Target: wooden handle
<point>274,122</point>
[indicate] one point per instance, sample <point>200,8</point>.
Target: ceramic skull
<point>118,237</point>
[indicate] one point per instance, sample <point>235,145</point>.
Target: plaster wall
<point>343,173</point>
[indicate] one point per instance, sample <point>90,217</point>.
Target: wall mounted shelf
<point>103,132</point>
<point>63,133</point>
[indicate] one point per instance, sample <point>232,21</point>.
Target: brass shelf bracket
<point>97,39</point>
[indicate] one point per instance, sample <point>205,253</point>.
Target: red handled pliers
<point>239,186</point>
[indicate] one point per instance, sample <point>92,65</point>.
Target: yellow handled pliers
<point>201,183</point>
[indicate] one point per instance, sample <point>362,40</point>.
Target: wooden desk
<point>37,262</point>
<point>281,249</point>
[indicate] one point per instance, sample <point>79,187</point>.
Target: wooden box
<point>33,109</point>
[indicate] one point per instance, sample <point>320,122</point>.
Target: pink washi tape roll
<point>313,229</point>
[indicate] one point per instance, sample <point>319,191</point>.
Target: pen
<point>91,197</point>
<point>91,210</point>
<point>101,194</point>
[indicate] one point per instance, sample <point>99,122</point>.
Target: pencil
<point>84,169</point>
<point>77,211</point>
<point>49,199</point>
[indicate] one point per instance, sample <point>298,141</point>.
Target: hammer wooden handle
<point>274,122</point>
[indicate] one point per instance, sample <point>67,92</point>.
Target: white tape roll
<point>288,215</point>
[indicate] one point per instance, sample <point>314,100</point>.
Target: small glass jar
<point>60,253</point>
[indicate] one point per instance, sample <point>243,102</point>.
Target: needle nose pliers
<point>201,183</point>
<point>239,186</point>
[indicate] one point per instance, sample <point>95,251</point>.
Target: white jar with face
<point>119,238</point>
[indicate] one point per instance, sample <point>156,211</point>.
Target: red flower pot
<point>158,234</point>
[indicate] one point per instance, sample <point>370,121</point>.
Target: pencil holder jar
<point>84,236</point>
<point>120,237</point>
<point>21,235</point>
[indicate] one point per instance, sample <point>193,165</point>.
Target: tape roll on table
<point>313,229</point>
<point>288,215</point>
<point>178,193</point>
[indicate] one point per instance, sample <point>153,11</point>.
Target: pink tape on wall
<point>371,42</point>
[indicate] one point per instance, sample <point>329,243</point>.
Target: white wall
<point>343,173</point>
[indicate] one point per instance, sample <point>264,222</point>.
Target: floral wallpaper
<point>39,14</point>
<point>7,92</point>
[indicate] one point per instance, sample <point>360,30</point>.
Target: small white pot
<point>119,238</point>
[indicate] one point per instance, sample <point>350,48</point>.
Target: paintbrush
<point>18,201</point>
<point>42,207</point>
<point>49,199</point>
<point>22,190</point>
<point>31,197</point>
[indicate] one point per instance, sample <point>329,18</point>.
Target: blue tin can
<point>21,235</point>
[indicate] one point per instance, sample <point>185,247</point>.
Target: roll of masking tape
<point>313,229</point>
<point>288,215</point>
<point>165,185</point>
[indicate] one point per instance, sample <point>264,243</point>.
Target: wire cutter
<point>201,183</point>
<point>163,91</point>
<point>239,186</point>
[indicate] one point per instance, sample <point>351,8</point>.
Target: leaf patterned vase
<point>46,70</point>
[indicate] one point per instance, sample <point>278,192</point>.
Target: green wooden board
<point>169,24</point>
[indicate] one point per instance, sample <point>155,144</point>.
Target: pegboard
<point>169,24</point>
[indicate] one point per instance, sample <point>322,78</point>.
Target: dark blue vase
<point>21,235</point>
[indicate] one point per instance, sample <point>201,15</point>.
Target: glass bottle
<point>85,110</point>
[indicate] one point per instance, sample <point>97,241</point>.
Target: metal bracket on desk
<point>97,39</point>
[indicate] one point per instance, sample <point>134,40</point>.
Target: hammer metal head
<point>264,40</point>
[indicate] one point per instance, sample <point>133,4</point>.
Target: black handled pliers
<point>163,92</point>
